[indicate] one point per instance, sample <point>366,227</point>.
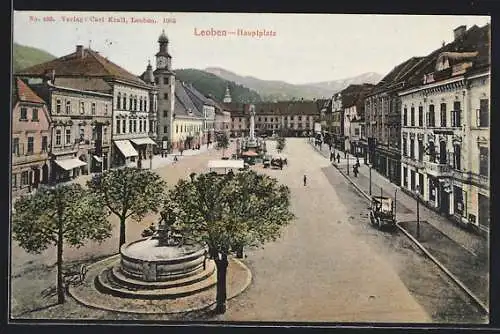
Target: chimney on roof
<point>459,31</point>
<point>79,50</point>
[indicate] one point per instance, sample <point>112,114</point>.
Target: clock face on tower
<point>161,62</point>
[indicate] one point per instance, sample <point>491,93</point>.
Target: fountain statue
<point>164,265</point>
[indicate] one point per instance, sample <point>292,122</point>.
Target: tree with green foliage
<point>58,215</point>
<point>222,142</point>
<point>227,212</point>
<point>129,192</point>
<point>280,143</point>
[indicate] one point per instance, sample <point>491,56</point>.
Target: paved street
<point>330,264</point>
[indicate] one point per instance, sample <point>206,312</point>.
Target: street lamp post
<point>370,169</point>
<point>395,202</point>
<point>418,212</point>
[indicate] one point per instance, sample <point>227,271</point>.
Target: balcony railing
<point>472,178</point>
<point>29,157</point>
<point>437,169</point>
<point>412,162</point>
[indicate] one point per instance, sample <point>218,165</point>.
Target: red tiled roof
<point>24,93</point>
<point>88,63</point>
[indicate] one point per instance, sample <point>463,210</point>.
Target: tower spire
<point>227,96</point>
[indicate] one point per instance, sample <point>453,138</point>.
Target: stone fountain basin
<point>145,260</point>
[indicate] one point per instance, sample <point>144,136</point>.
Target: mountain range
<point>214,80</point>
<point>271,90</point>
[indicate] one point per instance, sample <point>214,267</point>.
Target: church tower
<point>165,82</point>
<point>227,97</point>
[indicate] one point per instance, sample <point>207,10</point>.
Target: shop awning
<point>69,164</point>
<point>225,164</point>
<point>126,148</point>
<point>97,158</point>
<point>143,141</point>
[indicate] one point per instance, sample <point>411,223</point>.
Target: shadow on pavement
<point>470,268</point>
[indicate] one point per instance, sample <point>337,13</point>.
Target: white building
<point>445,132</point>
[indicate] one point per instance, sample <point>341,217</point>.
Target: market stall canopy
<point>69,164</point>
<point>143,141</point>
<point>126,148</point>
<point>217,164</point>
<point>250,154</point>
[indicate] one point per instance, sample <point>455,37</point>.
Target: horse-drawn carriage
<point>382,212</point>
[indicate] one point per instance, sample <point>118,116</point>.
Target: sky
<point>296,48</point>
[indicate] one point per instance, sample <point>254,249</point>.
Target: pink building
<point>30,139</point>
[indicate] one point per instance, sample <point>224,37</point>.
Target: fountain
<point>165,265</point>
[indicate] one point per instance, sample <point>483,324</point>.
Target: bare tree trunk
<point>221,264</point>
<point>239,252</point>
<point>122,232</point>
<point>60,283</point>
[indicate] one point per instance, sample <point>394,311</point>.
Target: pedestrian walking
<point>345,154</point>
<point>331,156</point>
<point>305,180</point>
<point>338,157</point>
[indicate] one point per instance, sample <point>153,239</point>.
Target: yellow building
<point>187,125</point>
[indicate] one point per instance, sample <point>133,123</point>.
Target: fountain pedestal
<point>161,266</point>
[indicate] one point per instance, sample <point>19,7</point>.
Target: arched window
<point>118,101</point>
<point>124,102</point>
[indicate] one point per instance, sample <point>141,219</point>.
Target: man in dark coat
<point>305,180</point>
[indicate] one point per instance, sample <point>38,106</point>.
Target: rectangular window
<point>420,151</point>
<point>130,103</point>
<point>31,142</point>
<point>14,181</point>
<point>412,180</point>
<point>15,146</point>
<point>82,107</point>
<point>124,102</point>
<point>135,125</point>
<point>405,177</point>
<point>458,199</point>
<point>68,136</point>
<point>443,115</point>
<point>24,114</point>
<point>412,149</point>
<point>124,126</point>
<point>165,129</point>
<point>432,152</point>
<point>93,108</point>
<point>118,101</point>
<point>58,137</point>
<point>300,118</point>
<point>456,157</point>
<point>24,178</point>
<point>412,115</point>
<point>44,143</point>
<point>420,116</point>
<point>118,128</point>
<point>432,116</point>
<point>58,106</point>
<point>421,184</point>
<point>165,80</point>
<point>483,161</point>
<point>165,96</point>
<point>405,117</point>
<point>456,115</point>
<point>165,113</point>
<point>105,109</point>
<point>177,128</point>
<point>405,147</point>
<point>68,107</point>
<point>130,125</point>
<point>140,125</point>
<point>484,117</point>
